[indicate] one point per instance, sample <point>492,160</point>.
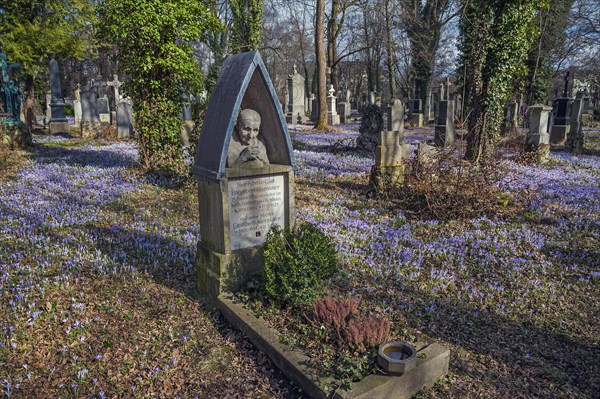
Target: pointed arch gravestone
<point>239,203</point>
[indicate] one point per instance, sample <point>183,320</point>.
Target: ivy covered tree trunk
<point>154,47</point>
<point>495,39</point>
<point>247,26</point>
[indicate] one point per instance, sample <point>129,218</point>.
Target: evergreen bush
<point>297,262</point>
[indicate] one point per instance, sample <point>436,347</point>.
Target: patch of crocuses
<point>489,263</point>
<point>54,227</point>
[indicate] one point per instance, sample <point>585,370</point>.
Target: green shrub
<point>69,110</point>
<point>297,262</point>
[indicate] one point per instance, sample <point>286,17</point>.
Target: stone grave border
<point>432,361</point>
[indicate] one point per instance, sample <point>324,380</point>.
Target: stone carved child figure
<point>246,148</point>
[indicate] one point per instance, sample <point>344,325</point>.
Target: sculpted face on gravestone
<point>246,148</point>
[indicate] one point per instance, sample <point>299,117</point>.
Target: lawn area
<point>98,296</point>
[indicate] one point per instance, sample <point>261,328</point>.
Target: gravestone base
<point>186,131</point>
<point>333,119</point>
<point>416,120</point>
<point>15,135</point>
<point>59,127</point>
<point>385,177</point>
<point>233,230</point>
<point>559,133</point>
<point>444,135</point>
<point>218,272</point>
<point>541,152</point>
<point>90,130</point>
<point>575,141</point>
<point>586,119</point>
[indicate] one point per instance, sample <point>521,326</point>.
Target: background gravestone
<point>444,124</point>
<point>103,110</point>
<point>538,138</point>
<point>90,123</point>
<point>58,120</point>
<point>237,206</point>
<point>124,120</point>
<point>574,142</point>
<point>391,151</point>
<point>295,100</point>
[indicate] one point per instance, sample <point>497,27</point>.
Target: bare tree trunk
<point>321,66</point>
<point>390,51</point>
<point>332,53</point>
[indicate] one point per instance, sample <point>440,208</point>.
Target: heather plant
<point>297,262</point>
<point>334,312</point>
<point>353,329</point>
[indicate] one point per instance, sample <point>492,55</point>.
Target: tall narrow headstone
<point>187,122</point>
<point>103,110</point>
<point>574,142</point>
<point>444,124</point>
<point>77,105</point>
<point>245,180</point>
<point>124,119</point>
<point>332,116</point>
<point>416,116</point>
<point>343,110</point>
<point>90,122</point>
<point>48,114</point>
<point>58,120</point>
<point>295,98</point>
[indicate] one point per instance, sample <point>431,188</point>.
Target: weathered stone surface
<point>444,124</point>
<point>58,123</point>
<point>574,142</point>
<point>295,101</point>
<point>538,138</point>
<point>124,120</point>
<point>103,111</point>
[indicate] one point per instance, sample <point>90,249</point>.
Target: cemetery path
<point>97,286</point>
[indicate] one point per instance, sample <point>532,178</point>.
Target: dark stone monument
<point>416,112</point>
<point>58,120</point>
<point>103,110</point>
<point>444,124</point>
<point>245,181</point>
<point>574,142</point>
<point>562,123</point>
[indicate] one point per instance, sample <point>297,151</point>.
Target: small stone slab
<point>432,361</point>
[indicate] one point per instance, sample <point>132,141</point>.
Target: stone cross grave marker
<point>116,84</point>
<point>332,116</point>
<point>245,169</point>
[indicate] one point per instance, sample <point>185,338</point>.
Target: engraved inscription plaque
<point>255,204</point>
